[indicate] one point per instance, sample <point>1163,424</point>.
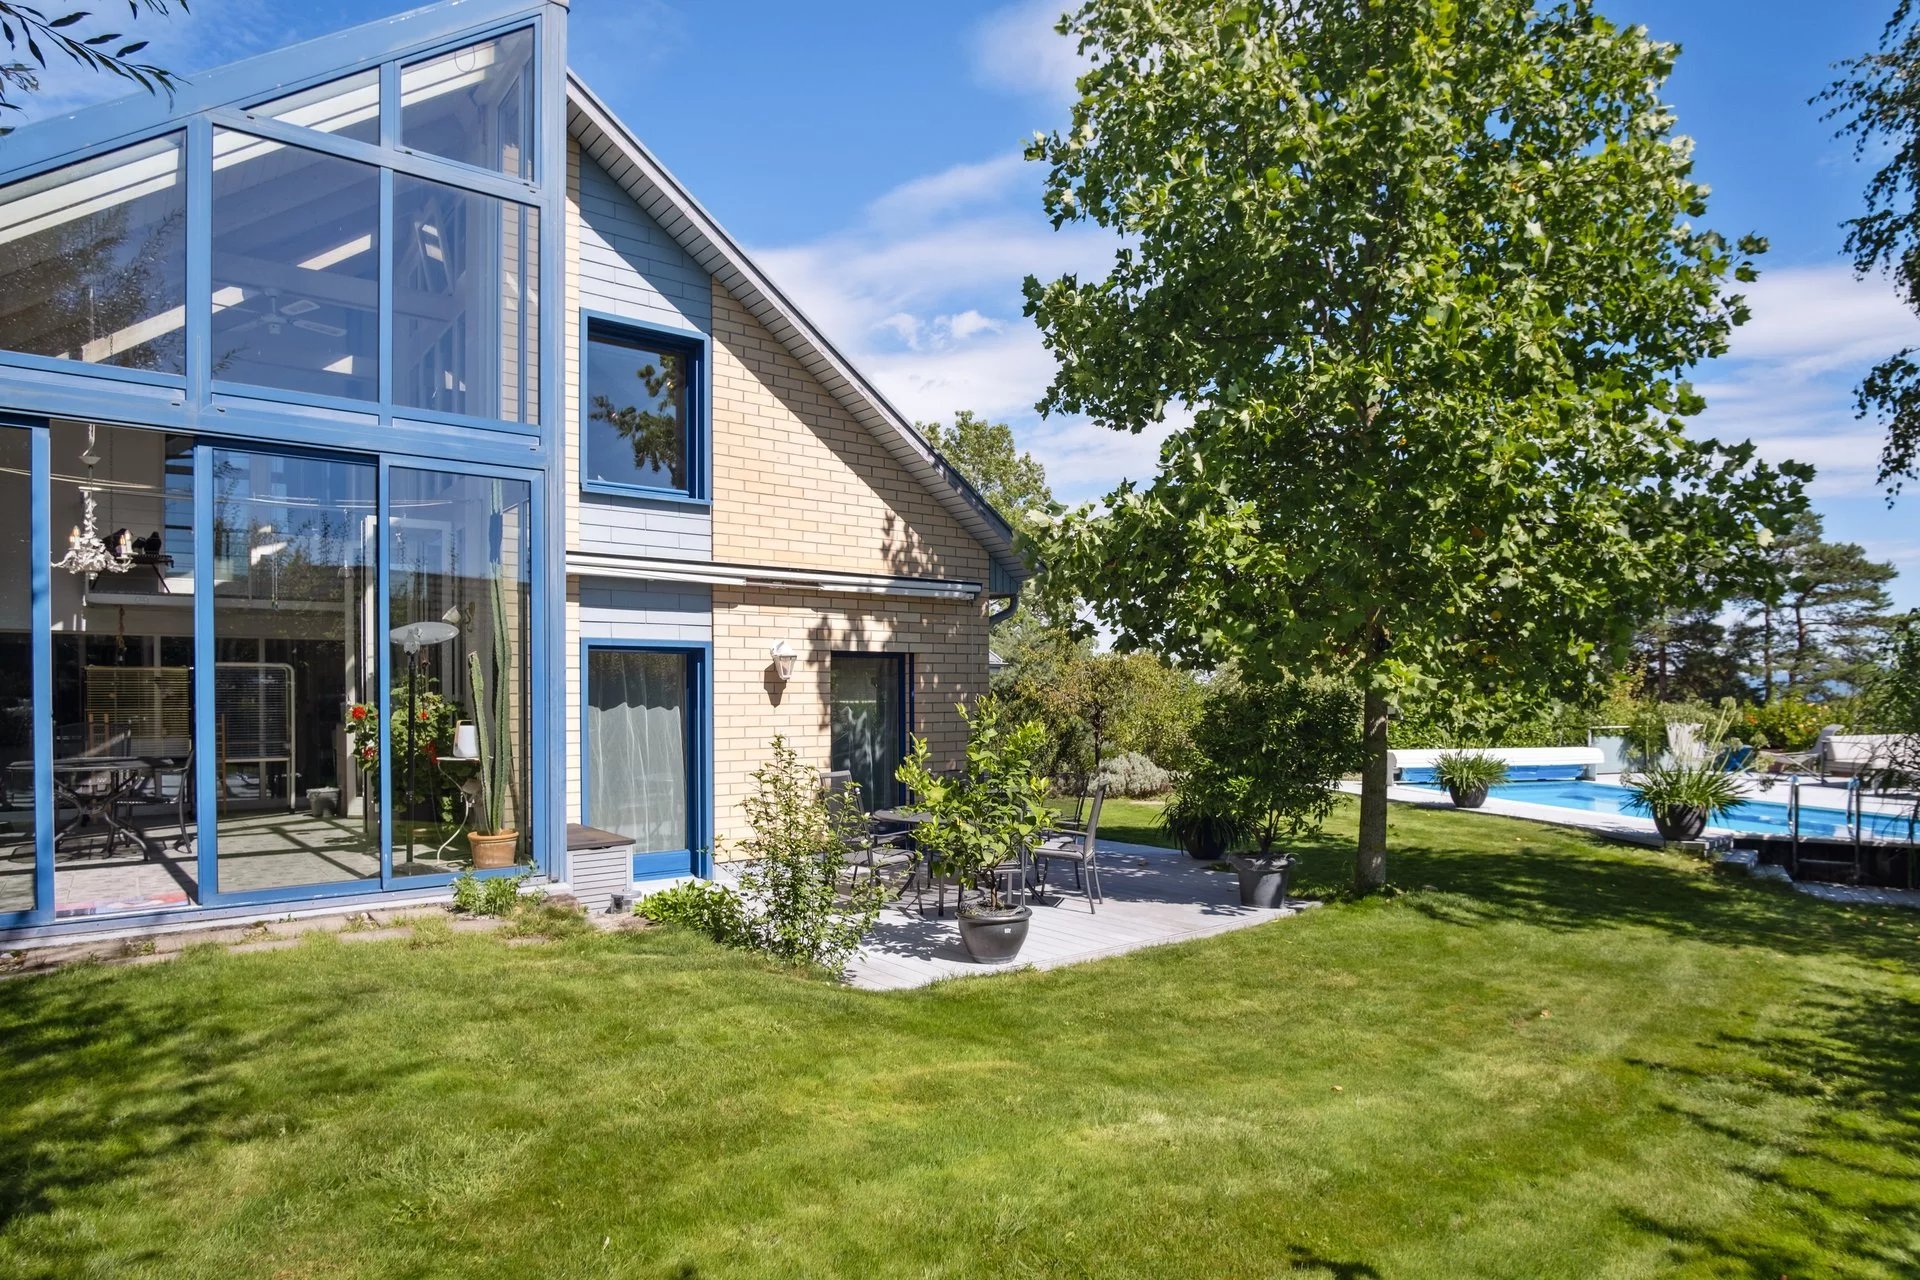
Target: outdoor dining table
<point>123,775</point>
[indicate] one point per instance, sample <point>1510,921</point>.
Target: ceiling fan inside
<point>276,318</point>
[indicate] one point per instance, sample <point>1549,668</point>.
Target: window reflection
<point>466,310</point>
<point>637,396</point>
<point>474,105</point>
<point>460,553</point>
<point>93,260</point>
<point>347,108</point>
<point>296,269</point>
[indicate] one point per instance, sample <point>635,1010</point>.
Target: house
<point>378,417</point>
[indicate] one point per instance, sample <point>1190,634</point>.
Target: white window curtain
<point>637,746</point>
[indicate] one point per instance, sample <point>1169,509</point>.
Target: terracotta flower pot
<point>494,851</point>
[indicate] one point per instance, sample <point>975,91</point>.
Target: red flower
<point>359,713</point>
<point>432,755</point>
<point>366,753</point>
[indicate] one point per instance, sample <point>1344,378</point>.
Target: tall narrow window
<point>639,409</point>
<point>17,813</point>
<point>869,723</point>
<point>296,269</point>
<point>638,747</point>
<point>93,260</point>
<point>466,303</point>
<point>460,554</point>
<point>474,105</point>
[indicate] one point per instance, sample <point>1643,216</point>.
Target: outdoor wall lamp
<point>783,656</point>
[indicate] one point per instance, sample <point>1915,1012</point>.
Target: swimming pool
<point>1753,817</point>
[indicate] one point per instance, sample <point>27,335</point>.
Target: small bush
<point>712,909</point>
<point>494,896</point>
<point>1470,770</point>
<point>1132,774</point>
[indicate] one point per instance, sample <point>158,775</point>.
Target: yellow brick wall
<point>947,638</point>
<point>798,482</point>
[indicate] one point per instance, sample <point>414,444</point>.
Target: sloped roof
<point>641,175</point>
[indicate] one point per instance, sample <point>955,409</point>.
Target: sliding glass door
<point>642,768</point>
<point>294,570</point>
<point>19,565</point>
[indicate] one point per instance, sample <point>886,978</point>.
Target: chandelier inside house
<point>88,553</point>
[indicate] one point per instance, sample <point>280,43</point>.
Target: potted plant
<point>1468,775</point>
<point>1197,823</point>
<point>495,844</point>
<point>1270,755</point>
<point>1686,790</point>
<point>987,816</point>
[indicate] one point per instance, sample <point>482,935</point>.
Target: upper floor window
<point>640,409</point>
<point>466,302</point>
<point>347,108</point>
<point>296,269</point>
<point>474,105</point>
<point>93,260</point>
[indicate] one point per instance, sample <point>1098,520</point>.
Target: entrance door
<point>870,723</point>
<point>642,748</point>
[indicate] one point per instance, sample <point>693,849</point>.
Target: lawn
<point>1133,821</point>
<point>1550,1057</point>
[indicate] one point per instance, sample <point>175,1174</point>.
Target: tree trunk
<point>1766,654</point>
<point>1370,863</point>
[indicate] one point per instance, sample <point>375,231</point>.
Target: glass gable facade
<point>276,462</point>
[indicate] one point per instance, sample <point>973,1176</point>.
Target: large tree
<point>1427,275</point>
<point>1008,477</point>
<point>1685,654</point>
<point>1877,103</point>
<point>1819,622</point>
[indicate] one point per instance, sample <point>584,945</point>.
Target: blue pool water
<point>1753,817</point>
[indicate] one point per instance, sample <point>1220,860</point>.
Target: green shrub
<point>1269,754</point>
<point>1785,724</point>
<point>990,813</point>
<point>1131,774</point>
<point>712,909</point>
<point>493,896</point>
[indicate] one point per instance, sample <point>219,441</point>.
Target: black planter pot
<point>1469,798</point>
<point>1205,842</point>
<point>1683,823</point>
<point>1263,881</point>
<point>994,937</point>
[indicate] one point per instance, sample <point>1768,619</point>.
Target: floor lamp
<point>412,637</point>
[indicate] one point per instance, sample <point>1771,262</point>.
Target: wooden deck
<point>1153,896</point>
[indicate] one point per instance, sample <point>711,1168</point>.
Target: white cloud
<point>962,186</point>
<point>1017,49</point>
<point>1815,320</point>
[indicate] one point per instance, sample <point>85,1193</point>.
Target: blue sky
<point>868,154</point>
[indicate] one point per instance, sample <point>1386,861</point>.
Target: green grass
<point>1562,1059</point>
<point>1132,821</point>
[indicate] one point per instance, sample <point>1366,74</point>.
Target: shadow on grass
<point>1499,870</point>
<point>99,1086</point>
<point>1856,1056</point>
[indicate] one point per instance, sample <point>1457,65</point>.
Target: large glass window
<point>296,269</point>
<point>293,610</point>
<point>16,672</point>
<point>347,108</point>
<point>123,716</point>
<point>93,260</point>
<point>459,607</point>
<point>640,397</point>
<point>869,723</point>
<point>474,105</point>
<point>638,746</point>
<point>466,304</point>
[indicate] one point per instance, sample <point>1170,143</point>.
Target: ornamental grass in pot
<point>1469,775</point>
<point>495,843</point>
<point>1686,791</point>
<point>989,815</point>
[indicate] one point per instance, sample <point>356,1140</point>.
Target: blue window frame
<point>646,711</point>
<point>644,391</point>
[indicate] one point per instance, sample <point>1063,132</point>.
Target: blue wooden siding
<point>631,269</point>
<point>615,609</point>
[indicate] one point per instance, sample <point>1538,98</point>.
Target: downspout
<point>1002,614</point>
